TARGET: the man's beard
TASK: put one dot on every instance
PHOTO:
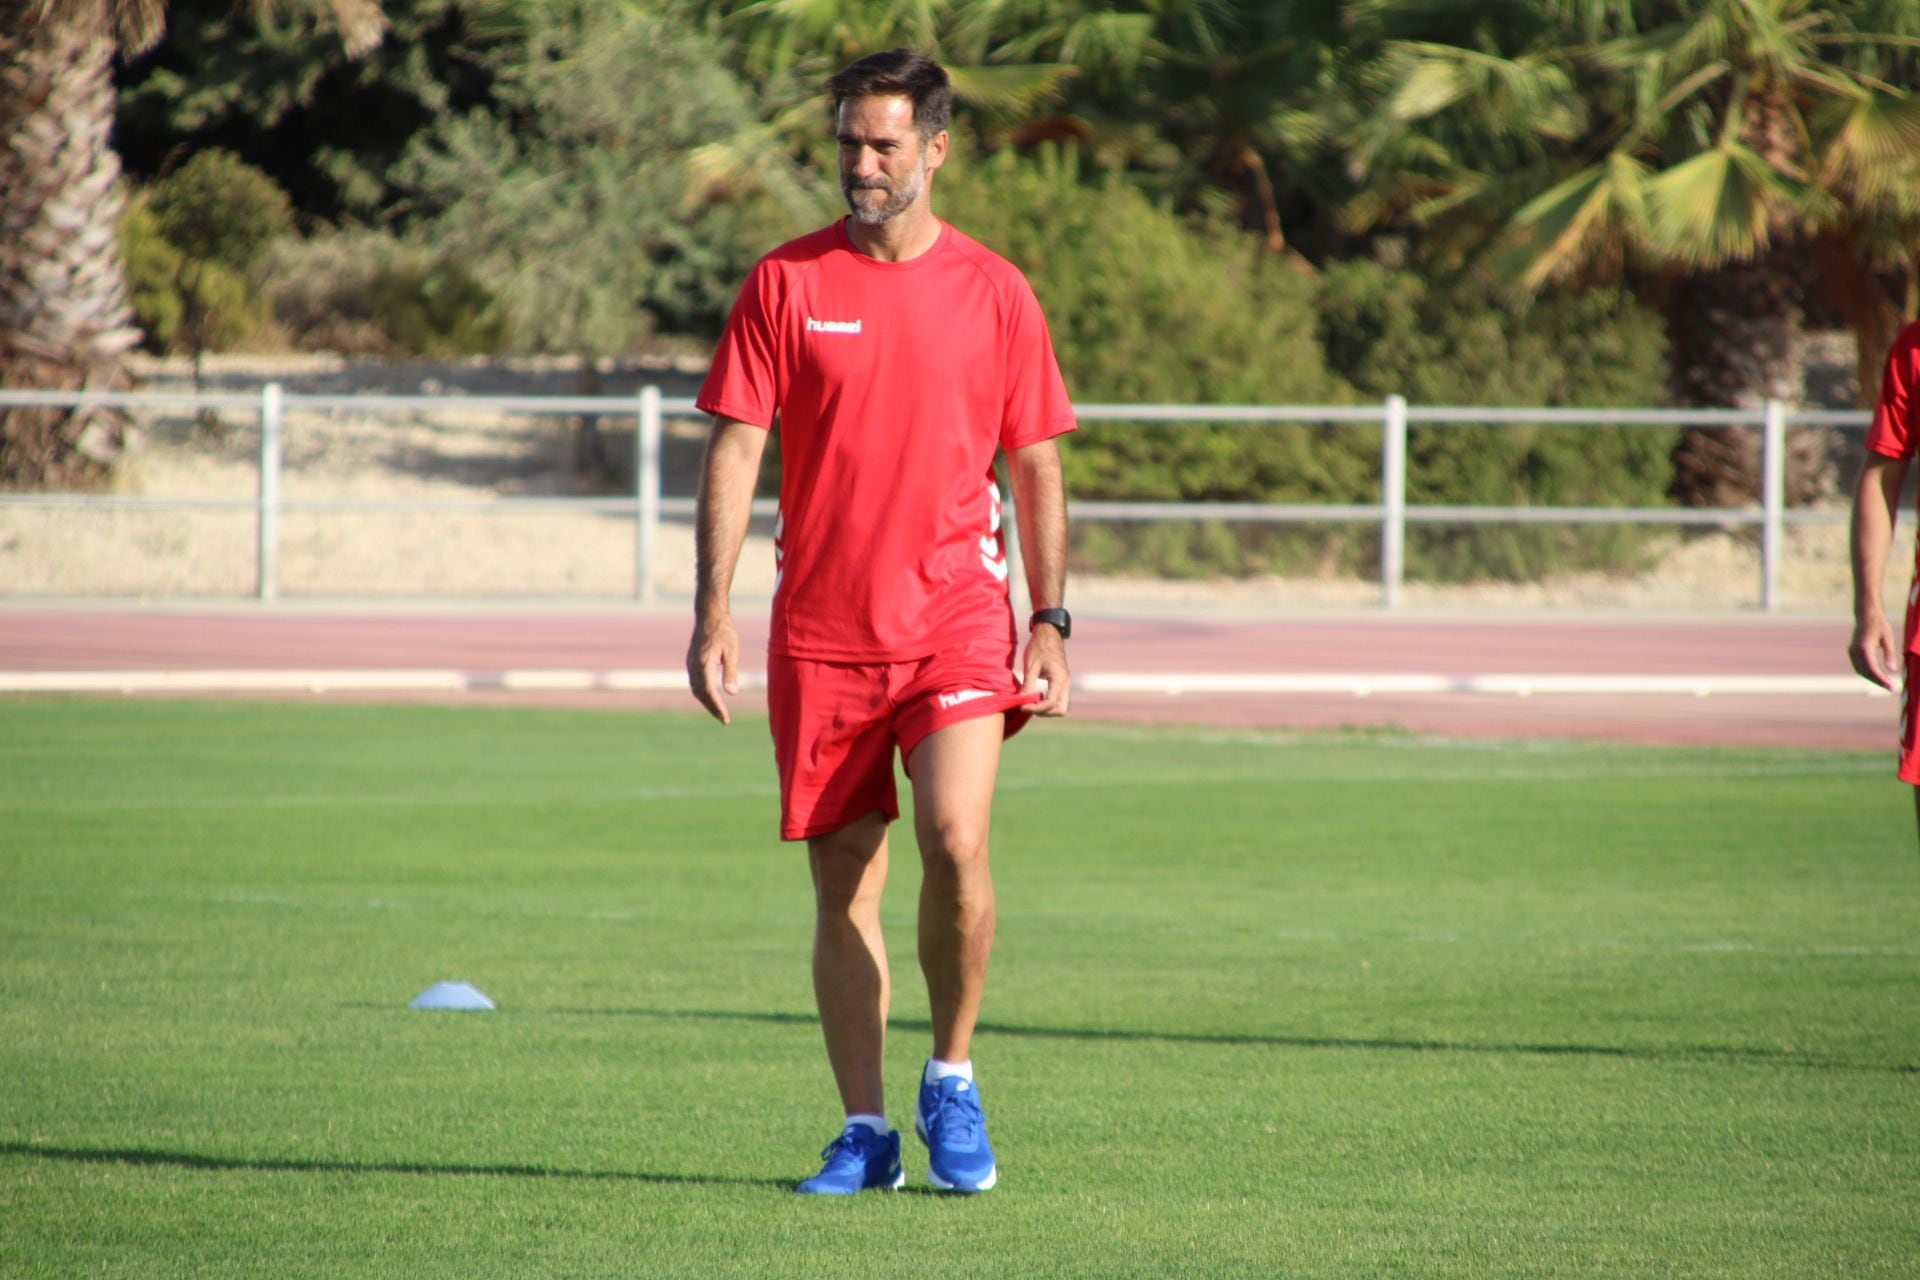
(898, 198)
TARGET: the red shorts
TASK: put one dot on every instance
(1909, 731)
(836, 724)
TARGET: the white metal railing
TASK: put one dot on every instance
(648, 505)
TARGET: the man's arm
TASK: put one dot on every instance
(1875, 649)
(727, 479)
(1040, 506)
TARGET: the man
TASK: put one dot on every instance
(899, 355)
(1891, 442)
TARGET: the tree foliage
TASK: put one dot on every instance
(1440, 343)
(1694, 141)
(1147, 307)
(280, 86)
(215, 219)
(362, 292)
(217, 209)
(572, 176)
(568, 198)
(182, 301)
(64, 309)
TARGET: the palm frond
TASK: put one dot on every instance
(1837, 82)
(783, 32)
(1592, 213)
(1019, 87)
(1298, 129)
(1873, 131)
(1709, 36)
(1432, 84)
(1117, 41)
(1715, 207)
(1431, 205)
(1489, 105)
(1107, 43)
(975, 27)
(1626, 54)
(1865, 38)
(1592, 19)
(1689, 85)
(1871, 152)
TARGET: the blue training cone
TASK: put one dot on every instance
(452, 995)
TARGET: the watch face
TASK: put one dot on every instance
(1059, 618)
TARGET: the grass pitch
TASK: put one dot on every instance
(1333, 1006)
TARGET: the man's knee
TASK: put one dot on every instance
(952, 844)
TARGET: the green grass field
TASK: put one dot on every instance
(1328, 1006)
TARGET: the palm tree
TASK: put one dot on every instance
(783, 50)
(1222, 103)
(64, 319)
(1241, 94)
(1710, 148)
(806, 40)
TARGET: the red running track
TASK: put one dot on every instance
(257, 639)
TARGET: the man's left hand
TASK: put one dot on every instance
(1046, 671)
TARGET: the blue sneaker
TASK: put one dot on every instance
(949, 1120)
(855, 1161)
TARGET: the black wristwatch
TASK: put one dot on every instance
(1059, 619)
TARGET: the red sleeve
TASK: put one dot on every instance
(743, 382)
(1893, 431)
(1037, 404)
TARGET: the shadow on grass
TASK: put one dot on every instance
(192, 1160)
(1678, 1053)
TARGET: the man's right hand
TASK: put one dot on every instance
(713, 664)
(1874, 651)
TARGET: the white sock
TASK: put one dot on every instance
(938, 1070)
(876, 1123)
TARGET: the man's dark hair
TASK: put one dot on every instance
(919, 79)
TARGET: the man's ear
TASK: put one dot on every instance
(936, 151)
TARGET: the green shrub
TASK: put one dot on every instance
(153, 267)
(364, 292)
(191, 241)
(581, 197)
(436, 310)
(1210, 548)
(1392, 332)
(216, 208)
(1147, 307)
(183, 305)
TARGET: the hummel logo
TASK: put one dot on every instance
(832, 326)
(950, 700)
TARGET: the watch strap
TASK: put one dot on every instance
(1059, 619)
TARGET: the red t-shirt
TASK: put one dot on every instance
(1896, 419)
(895, 383)
(1896, 433)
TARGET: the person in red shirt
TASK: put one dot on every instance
(1891, 442)
(898, 357)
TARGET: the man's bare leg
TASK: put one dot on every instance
(850, 982)
(953, 774)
